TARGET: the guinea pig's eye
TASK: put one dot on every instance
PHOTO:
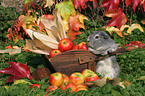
(97, 37)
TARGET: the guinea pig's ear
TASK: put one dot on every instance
(104, 35)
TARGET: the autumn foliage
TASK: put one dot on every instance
(72, 18)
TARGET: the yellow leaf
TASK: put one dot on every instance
(65, 23)
(49, 3)
(82, 17)
(134, 26)
(112, 29)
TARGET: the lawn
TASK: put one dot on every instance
(132, 63)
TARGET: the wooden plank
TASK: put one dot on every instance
(68, 62)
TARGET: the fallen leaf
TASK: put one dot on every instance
(126, 82)
(134, 26)
(9, 47)
(98, 83)
(11, 51)
(116, 81)
(17, 70)
(141, 78)
(134, 45)
(116, 30)
(143, 21)
(22, 81)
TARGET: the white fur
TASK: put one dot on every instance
(105, 68)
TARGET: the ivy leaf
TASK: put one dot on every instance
(17, 70)
(118, 18)
(75, 24)
(72, 34)
(27, 3)
(134, 3)
(142, 3)
(82, 3)
(66, 8)
(110, 4)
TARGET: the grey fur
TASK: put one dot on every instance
(100, 43)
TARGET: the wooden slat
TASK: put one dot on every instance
(68, 62)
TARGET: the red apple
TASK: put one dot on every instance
(70, 85)
(32, 86)
(82, 45)
(56, 79)
(91, 77)
(75, 47)
(77, 78)
(65, 45)
(81, 88)
(81, 85)
(65, 78)
(86, 72)
(54, 53)
(50, 88)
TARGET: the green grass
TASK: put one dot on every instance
(132, 65)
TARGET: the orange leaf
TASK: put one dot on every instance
(50, 17)
(25, 49)
(143, 21)
(118, 18)
(8, 47)
(72, 34)
(75, 24)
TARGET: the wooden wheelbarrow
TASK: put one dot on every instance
(70, 61)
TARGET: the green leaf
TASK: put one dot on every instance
(66, 8)
(22, 81)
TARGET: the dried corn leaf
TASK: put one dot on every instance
(45, 39)
(37, 46)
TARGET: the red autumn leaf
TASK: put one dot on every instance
(8, 47)
(118, 18)
(75, 24)
(82, 3)
(143, 4)
(134, 3)
(134, 45)
(72, 34)
(110, 4)
(28, 3)
(17, 70)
